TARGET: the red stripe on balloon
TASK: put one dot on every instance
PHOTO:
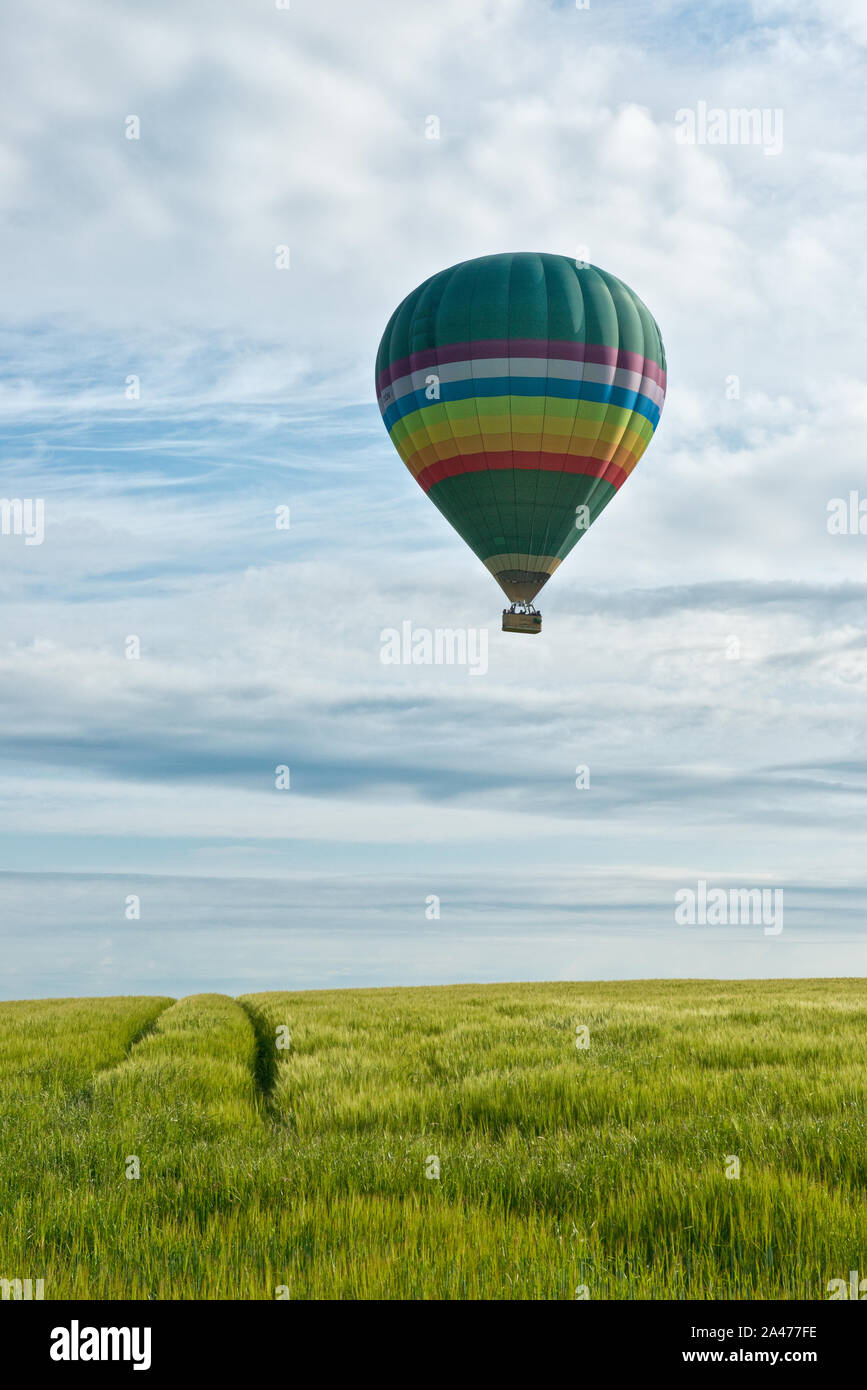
(548, 463)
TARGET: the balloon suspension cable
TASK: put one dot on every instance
(521, 607)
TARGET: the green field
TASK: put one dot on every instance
(597, 1172)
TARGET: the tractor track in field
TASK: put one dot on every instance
(132, 1042)
(146, 1030)
(265, 1065)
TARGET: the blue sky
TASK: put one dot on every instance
(704, 650)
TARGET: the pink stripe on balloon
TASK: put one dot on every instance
(521, 347)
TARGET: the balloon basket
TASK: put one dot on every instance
(526, 621)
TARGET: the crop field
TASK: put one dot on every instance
(664, 1140)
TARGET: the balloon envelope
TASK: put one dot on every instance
(521, 390)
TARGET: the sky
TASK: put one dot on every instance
(169, 387)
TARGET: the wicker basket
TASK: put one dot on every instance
(521, 622)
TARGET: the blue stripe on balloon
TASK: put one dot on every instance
(526, 386)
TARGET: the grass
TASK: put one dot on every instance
(305, 1168)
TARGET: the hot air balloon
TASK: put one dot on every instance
(521, 390)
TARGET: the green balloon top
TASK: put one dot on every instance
(520, 295)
